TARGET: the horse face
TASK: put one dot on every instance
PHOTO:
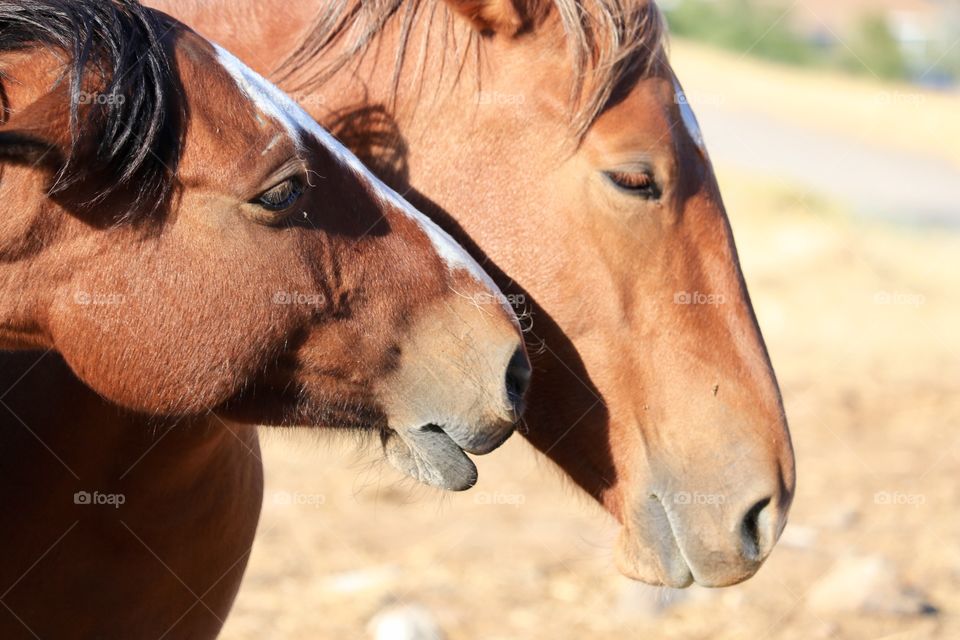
(705, 464)
(655, 391)
(284, 284)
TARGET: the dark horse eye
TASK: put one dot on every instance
(282, 196)
(637, 183)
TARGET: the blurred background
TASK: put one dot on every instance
(834, 127)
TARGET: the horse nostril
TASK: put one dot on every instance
(753, 531)
(518, 380)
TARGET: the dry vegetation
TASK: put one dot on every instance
(895, 115)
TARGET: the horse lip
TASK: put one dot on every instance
(430, 456)
(672, 568)
(677, 544)
(683, 581)
(498, 442)
(436, 455)
(473, 445)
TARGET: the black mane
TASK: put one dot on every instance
(125, 137)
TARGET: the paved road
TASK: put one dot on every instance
(876, 182)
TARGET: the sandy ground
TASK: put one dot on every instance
(861, 321)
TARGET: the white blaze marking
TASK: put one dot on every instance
(689, 119)
(280, 107)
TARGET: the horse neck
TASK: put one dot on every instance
(104, 446)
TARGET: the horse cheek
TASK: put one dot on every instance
(168, 348)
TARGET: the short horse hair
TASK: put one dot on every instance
(123, 135)
(611, 43)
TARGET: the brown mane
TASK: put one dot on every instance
(610, 42)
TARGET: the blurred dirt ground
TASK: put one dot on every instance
(862, 324)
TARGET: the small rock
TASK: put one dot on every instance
(866, 584)
(405, 622)
(841, 517)
(523, 618)
(363, 580)
(731, 598)
(564, 591)
(799, 537)
(637, 600)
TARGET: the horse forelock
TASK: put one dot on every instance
(611, 43)
(124, 101)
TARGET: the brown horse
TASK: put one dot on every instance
(654, 391)
(185, 254)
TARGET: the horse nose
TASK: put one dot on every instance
(518, 381)
(758, 530)
(493, 430)
(728, 545)
(503, 409)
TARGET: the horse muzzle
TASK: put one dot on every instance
(459, 388)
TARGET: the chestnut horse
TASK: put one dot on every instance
(186, 254)
(654, 390)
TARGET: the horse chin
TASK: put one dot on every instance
(661, 564)
(430, 456)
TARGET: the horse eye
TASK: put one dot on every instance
(636, 183)
(282, 196)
